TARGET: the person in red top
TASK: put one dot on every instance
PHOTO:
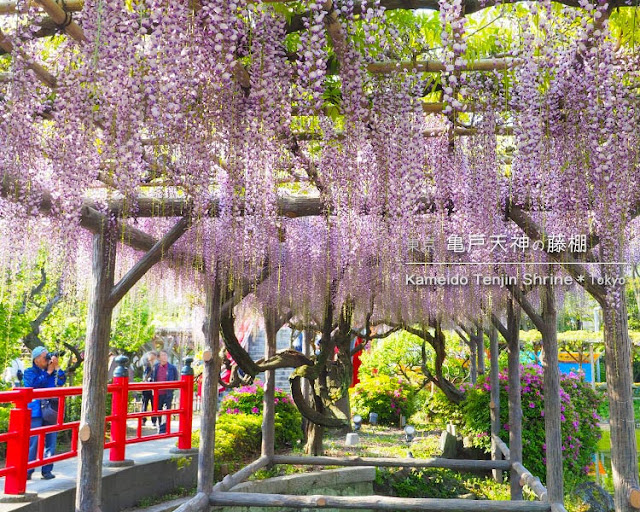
(164, 371)
(225, 374)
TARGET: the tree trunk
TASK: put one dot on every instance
(552, 423)
(210, 377)
(494, 411)
(624, 455)
(515, 403)
(94, 382)
(315, 433)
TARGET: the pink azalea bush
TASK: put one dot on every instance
(247, 401)
(580, 432)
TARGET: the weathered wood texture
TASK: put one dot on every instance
(199, 503)
(546, 323)
(94, 381)
(480, 349)
(624, 454)
(515, 405)
(374, 502)
(502, 446)
(268, 403)
(552, 412)
(459, 464)
(210, 376)
(151, 257)
(533, 482)
(230, 481)
(494, 411)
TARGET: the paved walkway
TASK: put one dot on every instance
(66, 470)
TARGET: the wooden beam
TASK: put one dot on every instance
(10, 7)
(45, 77)
(230, 481)
(199, 503)
(296, 23)
(532, 482)
(94, 376)
(61, 18)
(283, 501)
(501, 446)
(153, 256)
(393, 462)
(437, 66)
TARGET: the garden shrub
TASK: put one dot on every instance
(438, 410)
(580, 433)
(239, 426)
(389, 397)
(248, 400)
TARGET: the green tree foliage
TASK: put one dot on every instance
(133, 324)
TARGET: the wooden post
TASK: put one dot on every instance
(552, 411)
(624, 454)
(307, 340)
(268, 403)
(473, 360)
(94, 381)
(210, 376)
(480, 349)
(515, 405)
(495, 399)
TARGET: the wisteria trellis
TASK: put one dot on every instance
(220, 102)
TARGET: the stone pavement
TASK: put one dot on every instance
(66, 470)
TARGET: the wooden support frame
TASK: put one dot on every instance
(268, 400)
(151, 257)
(230, 481)
(437, 462)
(210, 378)
(242, 499)
(94, 379)
(515, 399)
(103, 299)
(494, 404)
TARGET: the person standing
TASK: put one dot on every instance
(150, 359)
(164, 371)
(44, 373)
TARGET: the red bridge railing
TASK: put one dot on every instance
(20, 431)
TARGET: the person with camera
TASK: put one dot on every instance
(148, 362)
(44, 373)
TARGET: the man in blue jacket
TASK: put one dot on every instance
(164, 371)
(45, 373)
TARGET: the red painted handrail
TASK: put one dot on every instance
(20, 431)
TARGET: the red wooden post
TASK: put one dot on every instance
(186, 404)
(18, 445)
(119, 409)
